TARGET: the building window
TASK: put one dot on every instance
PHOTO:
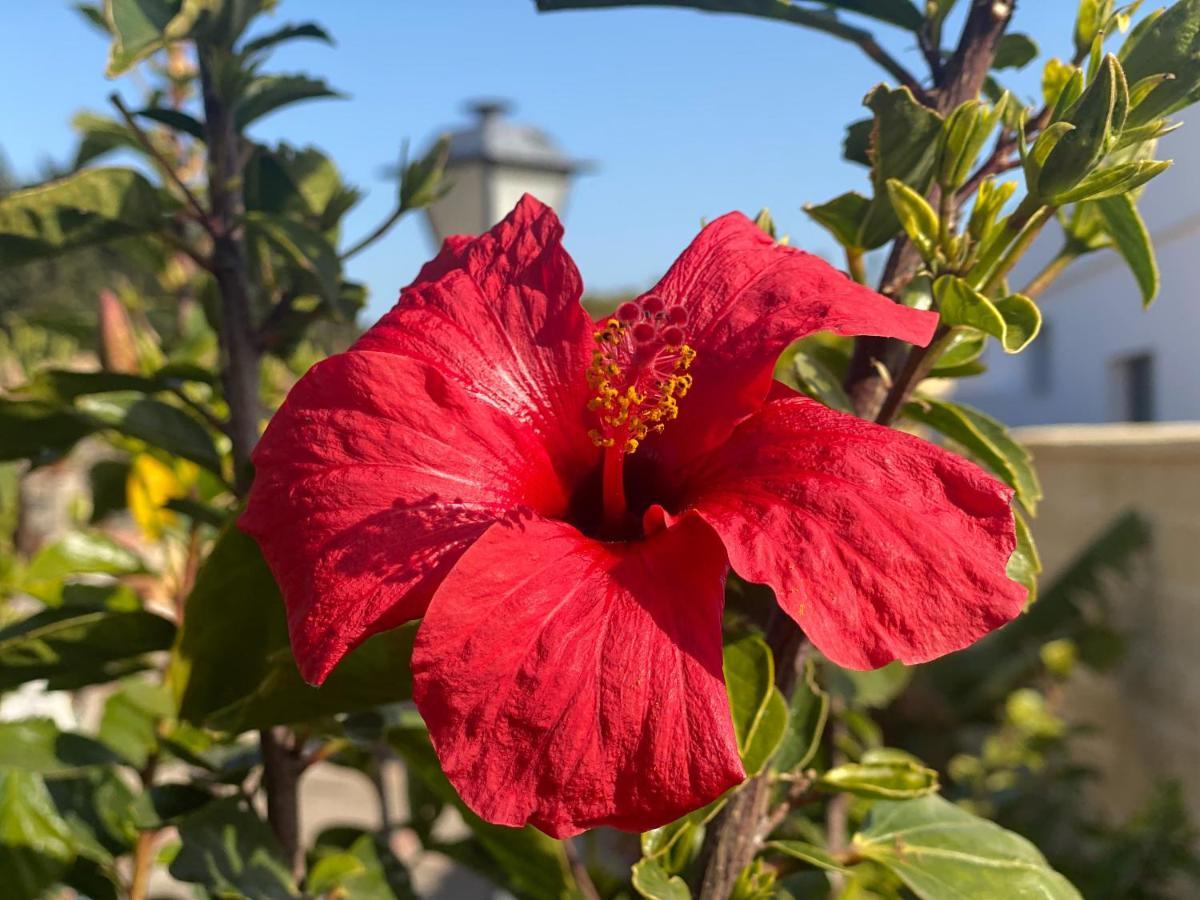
(1040, 369)
(1134, 384)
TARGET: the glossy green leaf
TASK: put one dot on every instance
(269, 93)
(35, 843)
(90, 207)
(1168, 43)
(1131, 239)
(1022, 322)
(964, 347)
(1015, 51)
(77, 553)
(38, 745)
(942, 852)
(651, 881)
(985, 439)
(175, 119)
(40, 432)
(959, 304)
(141, 27)
(366, 870)
(809, 853)
(1024, 565)
(533, 865)
(882, 775)
(904, 146)
(916, 216)
(660, 842)
(1089, 19)
(157, 423)
(129, 723)
(816, 380)
(759, 710)
(1112, 180)
(963, 135)
(895, 12)
(73, 647)
(306, 248)
(228, 849)
(842, 217)
(1098, 117)
(808, 711)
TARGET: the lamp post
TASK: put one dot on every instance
(490, 165)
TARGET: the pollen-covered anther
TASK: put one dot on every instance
(638, 371)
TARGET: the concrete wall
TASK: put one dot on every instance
(1148, 710)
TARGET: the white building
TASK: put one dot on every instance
(1101, 357)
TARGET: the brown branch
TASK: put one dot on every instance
(168, 170)
(583, 880)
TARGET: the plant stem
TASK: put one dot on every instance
(855, 265)
(1050, 272)
(1023, 225)
(240, 375)
(143, 864)
(583, 880)
(375, 235)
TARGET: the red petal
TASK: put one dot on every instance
(747, 298)
(500, 314)
(373, 477)
(569, 683)
(879, 544)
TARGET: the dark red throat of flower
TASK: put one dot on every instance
(638, 375)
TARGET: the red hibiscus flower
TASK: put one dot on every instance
(561, 500)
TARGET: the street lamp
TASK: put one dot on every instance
(490, 165)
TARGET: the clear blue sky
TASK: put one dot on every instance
(687, 115)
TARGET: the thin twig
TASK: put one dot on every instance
(168, 170)
(582, 879)
(375, 235)
(1049, 273)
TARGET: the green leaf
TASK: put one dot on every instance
(100, 135)
(816, 380)
(77, 553)
(882, 775)
(985, 439)
(37, 745)
(421, 181)
(942, 852)
(1132, 240)
(227, 848)
(373, 674)
(964, 347)
(651, 881)
(1113, 180)
(904, 146)
(35, 843)
(1169, 43)
(174, 118)
(963, 135)
(269, 93)
(759, 710)
(157, 423)
(1088, 21)
(809, 853)
(808, 711)
(129, 724)
(842, 217)
(306, 248)
(1022, 322)
(872, 688)
(659, 842)
(235, 621)
(1024, 565)
(310, 30)
(72, 647)
(916, 216)
(533, 865)
(366, 870)
(895, 12)
(90, 207)
(1098, 116)
(39, 432)
(141, 27)
(1015, 51)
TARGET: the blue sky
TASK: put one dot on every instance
(687, 115)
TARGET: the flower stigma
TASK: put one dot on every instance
(638, 375)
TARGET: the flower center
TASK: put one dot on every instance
(638, 376)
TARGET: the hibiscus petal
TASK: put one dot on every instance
(747, 298)
(373, 477)
(880, 545)
(569, 683)
(500, 314)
